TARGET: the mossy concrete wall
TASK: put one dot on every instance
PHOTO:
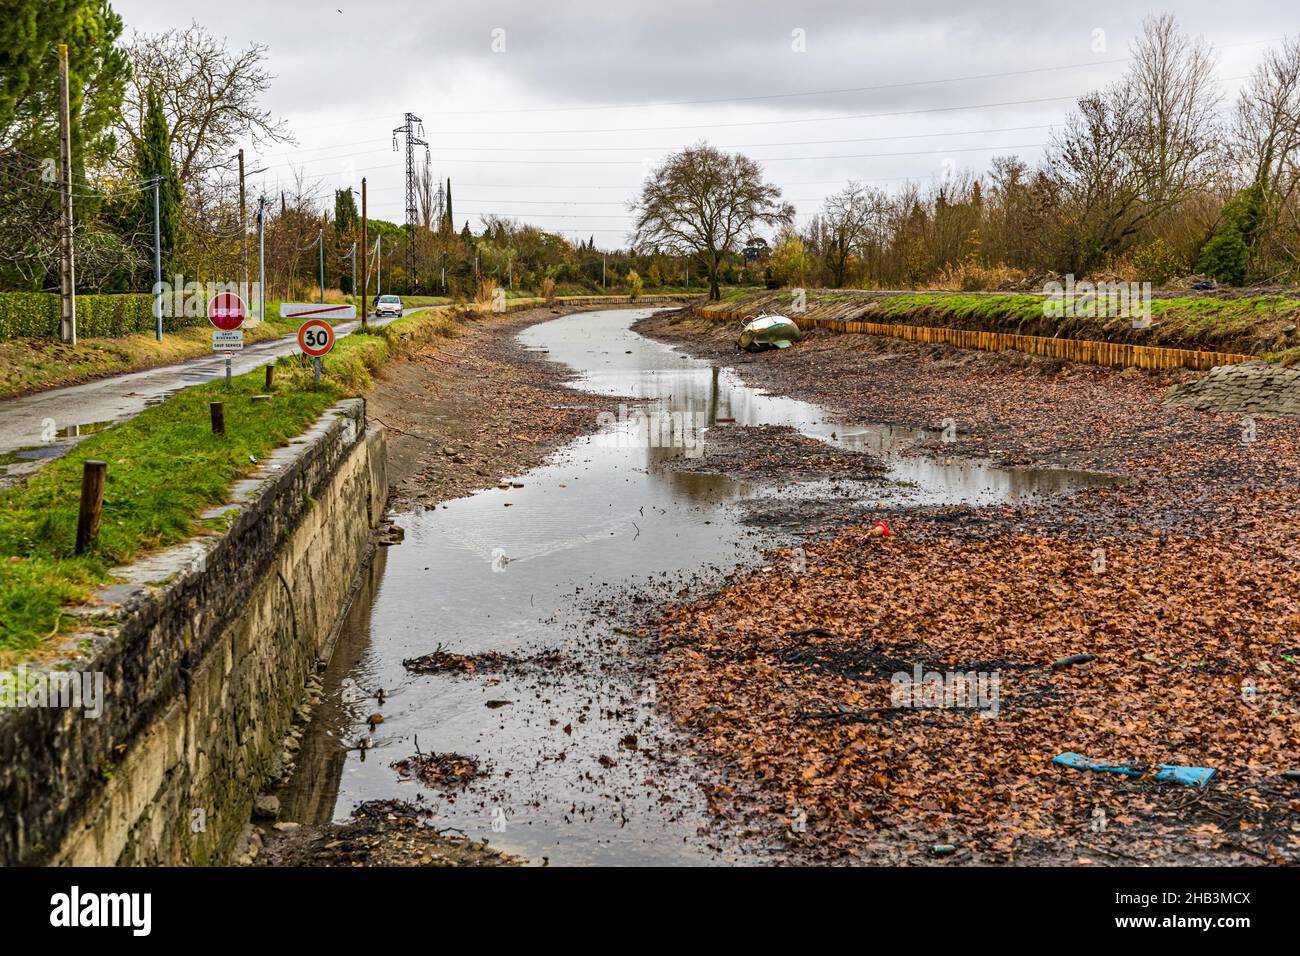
(205, 650)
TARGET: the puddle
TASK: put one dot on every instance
(562, 781)
(82, 430)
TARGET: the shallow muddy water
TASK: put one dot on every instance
(579, 765)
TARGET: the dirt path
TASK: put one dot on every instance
(1182, 584)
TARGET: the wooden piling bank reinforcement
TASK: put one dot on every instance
(1115, 354)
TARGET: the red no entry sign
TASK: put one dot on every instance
(316, 337)
(226, 311)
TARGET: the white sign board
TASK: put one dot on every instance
(228, 341)
(315, 310)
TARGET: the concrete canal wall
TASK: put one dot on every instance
(204, 653)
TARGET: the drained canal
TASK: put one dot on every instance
(577, 763)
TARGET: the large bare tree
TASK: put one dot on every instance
(702, 202)
(846, 223)
(1264, 148)
(1137, 150)
(211, 96)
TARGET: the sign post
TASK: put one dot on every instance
(227, 313)
(316, 338)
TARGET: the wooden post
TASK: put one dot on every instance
(365, 259)
(218, 412)
(67, 267)
(92, 503)
(270, 377)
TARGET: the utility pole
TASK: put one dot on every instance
(321, 241)
(602, 272)
(413, 139)
(67, 268)
(157, 260)
(365, 263)
(379, 266)
(243, 231)
(261, 258)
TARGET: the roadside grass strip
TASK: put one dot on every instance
(165, 468)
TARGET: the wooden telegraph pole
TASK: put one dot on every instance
(67, 268)
(365, 256)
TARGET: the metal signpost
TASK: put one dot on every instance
(227, 312)
(316, 338)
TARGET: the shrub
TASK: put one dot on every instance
(1158, 262)
(634, 285)
(548, 290)
(37, 314)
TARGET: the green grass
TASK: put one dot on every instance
(165, 467)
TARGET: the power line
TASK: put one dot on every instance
(790, 95)
(575, 149)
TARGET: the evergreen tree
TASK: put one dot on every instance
(345, 213)
(1226, 256)
(346, 221)
(154, 159)
(451, 227)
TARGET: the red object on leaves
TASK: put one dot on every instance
(884, 529)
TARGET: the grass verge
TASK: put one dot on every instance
(145, 506)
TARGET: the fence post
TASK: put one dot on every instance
(93, 473)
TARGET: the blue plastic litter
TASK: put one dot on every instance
(1191, 776)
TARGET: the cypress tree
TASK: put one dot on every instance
(154, 159)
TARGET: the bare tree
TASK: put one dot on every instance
(1172, 92)
(702, 201)
(846, 223)
(1264, 147)
(210, 94)
(1138, 149)
(429, 195)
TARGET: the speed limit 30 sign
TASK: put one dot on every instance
(316, 337)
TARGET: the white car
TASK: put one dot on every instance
(388, 305)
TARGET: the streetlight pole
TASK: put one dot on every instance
(353, 256)
(321, 240)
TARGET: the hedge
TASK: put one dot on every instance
(36, 315)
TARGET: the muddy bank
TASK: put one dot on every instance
(379, 833)
(1180, 582)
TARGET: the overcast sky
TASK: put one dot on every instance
(552, 111)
